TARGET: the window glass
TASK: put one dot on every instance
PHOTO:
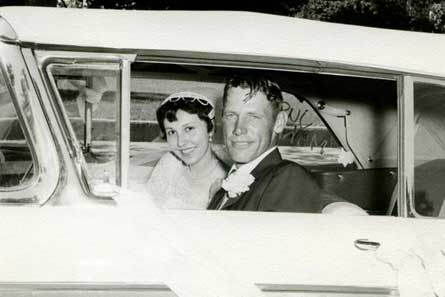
(16, 162)
(361, 113)
(342, 129)
(306, 139)
(429, 148)
(89, 96)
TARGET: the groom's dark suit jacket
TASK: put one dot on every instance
(279, 185)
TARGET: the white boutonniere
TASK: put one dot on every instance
(237, 183)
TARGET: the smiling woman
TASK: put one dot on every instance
(183, 176)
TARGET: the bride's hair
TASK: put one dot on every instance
(191, 103)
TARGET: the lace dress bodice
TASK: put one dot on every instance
(172, 186)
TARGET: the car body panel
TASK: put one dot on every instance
(126, 246)
(113, 248)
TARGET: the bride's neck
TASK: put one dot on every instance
(203, 165)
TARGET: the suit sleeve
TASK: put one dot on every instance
(291, 188)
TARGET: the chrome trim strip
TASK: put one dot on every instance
(59, 286)
(124, 125)
(272, 63)
(88, 57)
(326, 289)
(221, 59)
(405, 144)
(36, 80)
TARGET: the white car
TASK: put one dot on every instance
(78, 139)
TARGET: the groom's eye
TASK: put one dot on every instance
(170, 132)
(229, 115)
(188, 129)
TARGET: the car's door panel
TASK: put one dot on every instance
(126, 245)
(371, 189)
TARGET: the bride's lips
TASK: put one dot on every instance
(187, 150)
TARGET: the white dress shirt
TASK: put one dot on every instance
(246, 168)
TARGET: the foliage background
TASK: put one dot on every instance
(414, 15)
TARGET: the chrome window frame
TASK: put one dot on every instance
(26, 100)
(405, 178)
(123, 62)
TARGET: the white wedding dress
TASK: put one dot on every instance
(172, 186)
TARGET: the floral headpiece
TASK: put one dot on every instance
(191, 96)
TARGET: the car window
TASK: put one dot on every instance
(361, 113)
(429, 148)
(306, 139)
(89, 95)
(16, 161)
(342, 129)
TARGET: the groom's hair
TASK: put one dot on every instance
(255, 82)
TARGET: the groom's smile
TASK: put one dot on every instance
(240, 144)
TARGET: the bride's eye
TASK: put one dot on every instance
(170, 132)
(189, 128)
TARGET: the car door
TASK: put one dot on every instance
(310, 253)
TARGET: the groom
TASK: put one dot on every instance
(260, 180)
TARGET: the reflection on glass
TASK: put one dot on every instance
(90, 95)
(429, 148)
(16, 164)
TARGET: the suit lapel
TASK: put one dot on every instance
(231, 201)
(216, 200)
(270, 161)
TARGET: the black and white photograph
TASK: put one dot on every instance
(171, 148)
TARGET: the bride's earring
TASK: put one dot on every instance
(210, 137)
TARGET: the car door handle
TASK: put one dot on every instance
(366, 245)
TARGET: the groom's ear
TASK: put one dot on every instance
(280, 122)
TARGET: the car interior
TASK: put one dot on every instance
(325, 113)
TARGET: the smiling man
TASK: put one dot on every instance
(260, 180)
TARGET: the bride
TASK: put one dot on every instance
(182, 177)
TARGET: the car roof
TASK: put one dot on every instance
(224, 32)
